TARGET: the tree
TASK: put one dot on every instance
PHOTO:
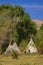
(39, 39)
(41, 27)
(18, 11)
(25, 28)
(6, 43)
(17, 21)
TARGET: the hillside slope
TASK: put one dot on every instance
(38, 22)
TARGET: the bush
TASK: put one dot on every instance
(0, 50)
(14, 54)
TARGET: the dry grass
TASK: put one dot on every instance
(22, 60)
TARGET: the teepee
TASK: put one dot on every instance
(13, 46)
(31, 48)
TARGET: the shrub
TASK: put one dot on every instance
(14, 54)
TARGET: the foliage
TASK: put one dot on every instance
(18, 11)
(14, 54)
(39, 40)
(5, 44)
(25, 28)
(17, 22)
(23, 44)
(41, 27)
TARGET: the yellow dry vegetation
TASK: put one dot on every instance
(22, 60)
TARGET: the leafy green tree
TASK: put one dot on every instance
(39, 39)
(41, 27)
(6, 43)
(13, 10)
(18, 11)
(25, 28)
(15, 20)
